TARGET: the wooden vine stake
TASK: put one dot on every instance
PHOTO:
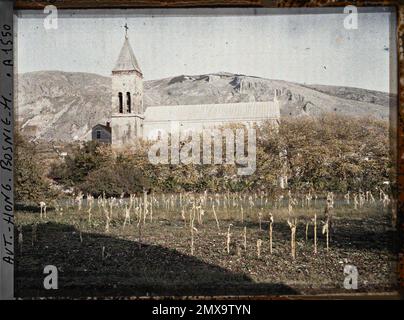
(259, 243)
(315, 233)
(127, 215)
(307, 230)
(89, 214)
(260, 219)
(217, 220)
(271, 221)
(326, 230)
(191, 224)
(245, 238)
(184, 217)
(292, 226)
(228, 239)
(139, 228)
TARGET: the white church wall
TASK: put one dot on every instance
(152, 129)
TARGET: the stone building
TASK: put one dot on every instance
(101, 133)
(130, 121)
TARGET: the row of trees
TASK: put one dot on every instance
(336, 153)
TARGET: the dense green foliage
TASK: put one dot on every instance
(335, 153)
(30, 183)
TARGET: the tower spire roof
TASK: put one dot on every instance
(127, 60)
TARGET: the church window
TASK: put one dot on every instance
(128, 103)
(120, 102)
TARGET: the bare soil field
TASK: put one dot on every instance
(156, 257)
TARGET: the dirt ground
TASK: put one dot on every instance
(92, 262)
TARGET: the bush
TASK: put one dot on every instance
(30, 183)
(113, 181)
(335, 153)
(82, 160)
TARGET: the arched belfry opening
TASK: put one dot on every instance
(128, 103)
(127, 81)
(120, 97)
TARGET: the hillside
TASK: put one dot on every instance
(54, 105)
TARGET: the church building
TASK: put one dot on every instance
(130, 120)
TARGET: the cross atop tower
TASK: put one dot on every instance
(126, 30)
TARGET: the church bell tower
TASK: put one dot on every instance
(127, 97)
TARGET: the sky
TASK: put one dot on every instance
(309, 46)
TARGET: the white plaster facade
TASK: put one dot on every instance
(198, 117)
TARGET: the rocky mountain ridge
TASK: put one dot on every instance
(64, 106)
